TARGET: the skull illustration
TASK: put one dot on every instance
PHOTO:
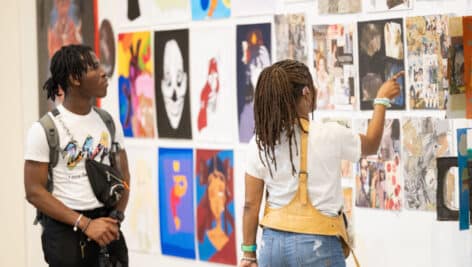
(174, 83)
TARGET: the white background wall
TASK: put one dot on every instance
(384, 238)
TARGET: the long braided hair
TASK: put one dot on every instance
(72, 60)
(278, 89)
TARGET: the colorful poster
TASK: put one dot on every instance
(456, 57)
(141, 224)
(253, 54)
(172, 84)
(213, 85)
(387, 5)
(291, 37)
(244, 8)
(60, 23)
(334, 66)
(210, 9)
(424, 139)
(378, 176)
(215, 206)
(176, 212)
(381, 56)
(135, 85)
(339, 6)
(467, 28)
(428, 45)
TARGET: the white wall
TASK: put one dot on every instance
(384, 238)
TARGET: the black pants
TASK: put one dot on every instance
(61, 245)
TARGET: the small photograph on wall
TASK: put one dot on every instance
(176, 208)
(210, 9)
(290, 37)
(60, 23)
(389, 5)
(334, 66)
(346, 166)
(455, 66)
(381, 56)
(427, 45)
(213, 84)
(141, 224)
(172, 84)
(339, 6)
(216, 234)
(424, 140)
(135, 85)
(107, 47)
(253, 54)
(378, 176)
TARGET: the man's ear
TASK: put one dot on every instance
(74, 81)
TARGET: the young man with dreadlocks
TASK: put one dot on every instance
(76, 225)
(299, 164)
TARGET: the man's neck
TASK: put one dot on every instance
(77, 105)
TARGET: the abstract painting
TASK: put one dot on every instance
(456, 57)
(290, 37)
(210, 9)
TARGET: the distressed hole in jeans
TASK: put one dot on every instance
(316, 246)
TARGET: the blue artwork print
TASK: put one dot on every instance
(176, 202)
(125, 105)
(210, 9)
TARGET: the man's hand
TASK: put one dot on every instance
(103, 230)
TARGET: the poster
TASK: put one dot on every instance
(213, 85)
(388, 5)
(456, 57)
(216, 234)
(381, 55)
(334, 66)
(424, 139)
(378, 176)
(290, 37)
(135, 85)
(60, 23)
(428, 49)
(467, 31)
(172, 84)
(253, 54)
(339, 6)
(210, 9)
(141, 224)
(176, 206)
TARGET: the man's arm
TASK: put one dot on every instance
(102, 230)
(121, 206)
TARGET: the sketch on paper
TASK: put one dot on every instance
(176, 212)
(253, 54)
(291, 37)
(135, 84)
(381, 55)
(427, 45)
(215, 206)
(424, 139)
(141, 224)
(213, 86)
(386, 5)
(339, 6)
(378, 177)
(172, 84)
(210, 9)
(334, 66)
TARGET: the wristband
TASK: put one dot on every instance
(249, 248)
(382, 101)
(87, 225)
(77, 222)
(249, 259)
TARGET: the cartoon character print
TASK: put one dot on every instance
(73, 154)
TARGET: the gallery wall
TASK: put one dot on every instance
(402, 234)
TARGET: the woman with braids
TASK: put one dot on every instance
(75, 223)
(298, 163)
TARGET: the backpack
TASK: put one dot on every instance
(52, 137)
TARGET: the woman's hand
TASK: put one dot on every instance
(390, 89)
(247, 263)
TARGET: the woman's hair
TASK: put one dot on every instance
(277, 92)
(69, 61)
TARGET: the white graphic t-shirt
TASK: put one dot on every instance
(91, 139)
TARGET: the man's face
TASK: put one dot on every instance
(174, 83)
(94, 82)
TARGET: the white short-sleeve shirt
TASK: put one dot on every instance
(70, 181)
(328, 144)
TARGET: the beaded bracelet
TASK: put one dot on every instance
(249, 259)
(382, 101)
(77, 222)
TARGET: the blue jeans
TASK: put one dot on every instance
(285, 249)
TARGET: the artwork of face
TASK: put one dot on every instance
(174, 83)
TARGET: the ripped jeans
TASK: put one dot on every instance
(285, 249)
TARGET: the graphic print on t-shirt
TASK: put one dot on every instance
(73, 154)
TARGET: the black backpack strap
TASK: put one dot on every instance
(108, 120)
